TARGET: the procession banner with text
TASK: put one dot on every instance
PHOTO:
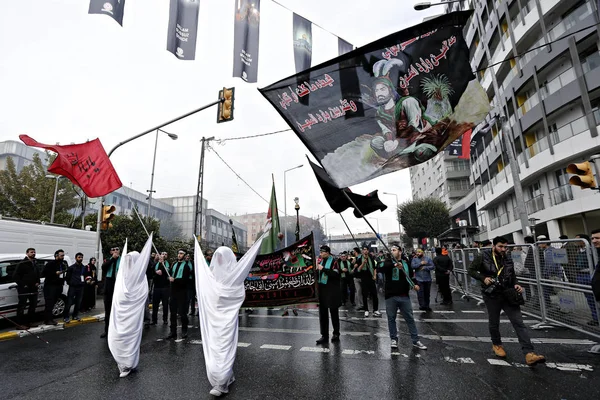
(183, 28)
(246, 33)
(344, 47)
(112, 8)
(386, 106)
(284, 277)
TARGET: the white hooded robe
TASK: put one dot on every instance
(220, 289)
(129, 301)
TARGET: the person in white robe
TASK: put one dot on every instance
(220, 291)
(127, 317)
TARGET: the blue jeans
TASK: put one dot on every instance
(391, 307)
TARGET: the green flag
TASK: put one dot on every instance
(269, 244)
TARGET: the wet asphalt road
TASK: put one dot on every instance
(278, 359)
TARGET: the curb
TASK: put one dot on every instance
(4, 336)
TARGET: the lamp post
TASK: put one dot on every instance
(324, 216)
(285, 201)
(297, 208)
(425, 5)
(151, 191)
(397, 214)
(57, 177)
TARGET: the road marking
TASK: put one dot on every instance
(473, 312)
(465, 321)
(275, 347)
(395, 353)
(178, 340)
(195, 342)
(315, 349)
(493, 361)
(348, 351)
(570, 367)
(300, 331)
(242, 344)
(459, 360)
(421, 320)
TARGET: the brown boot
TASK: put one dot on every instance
(499, 351)
(532, 359)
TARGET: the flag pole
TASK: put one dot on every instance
(410, 282)
(351, 234)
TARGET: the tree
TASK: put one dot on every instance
(169, 230)
(29, 194)
(424, 218)
(406, 241)
(125, 227)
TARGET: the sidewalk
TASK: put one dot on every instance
(95, 315)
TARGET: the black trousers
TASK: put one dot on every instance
(178, 305)
(27, 294)
(51, 295)
(443, 282)
(324, 320)
(494, 306)
(348, 284)
(191, 299)
(109, 289)
(368, 288)
(74, 297)
(160, 295)
(89, 297)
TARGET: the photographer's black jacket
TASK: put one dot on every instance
(484, 267)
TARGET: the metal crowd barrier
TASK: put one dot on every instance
(555, 276)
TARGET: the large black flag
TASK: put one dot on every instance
(411, 95)
(344, 47)
(112, 8)
(339, 202)
(302, 43)
(245, 44)
(183, 28)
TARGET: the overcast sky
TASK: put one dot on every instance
(66, 76)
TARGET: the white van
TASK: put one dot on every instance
(8, 288)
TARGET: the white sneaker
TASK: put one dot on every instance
(377, 313)
(394, 344)
(215, 392)
(420, 345)
(366, 314)
(124, 373)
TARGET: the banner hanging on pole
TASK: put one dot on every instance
(112, 8)
(302, 43)
(183, 28)
(344, 47)
(245, 44)
(411, 94)
(284, 277)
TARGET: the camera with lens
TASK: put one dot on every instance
(492, 287)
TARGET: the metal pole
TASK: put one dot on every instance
(197, 228)
(514, 169)
(285, 209)
(152, 176)
(221, 100)
(297, 223)
(54, 201)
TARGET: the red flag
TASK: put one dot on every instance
(86, 165)
(466, 145)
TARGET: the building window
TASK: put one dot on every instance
(129, 205)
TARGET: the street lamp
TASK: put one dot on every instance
(397, 214)
(173, 137)
(324, 216)
(425, 5)
(297, 208)
(57, 177)
(285, 201)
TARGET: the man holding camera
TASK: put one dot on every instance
(501, 291)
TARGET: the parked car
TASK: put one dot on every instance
(8, 288)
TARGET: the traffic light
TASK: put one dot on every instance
(225, 110)
(584, 175)
(107, 216)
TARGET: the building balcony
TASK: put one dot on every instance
(561, 194)
(536, 204)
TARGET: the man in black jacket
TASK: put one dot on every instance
(161, 290)
(75, 280)
(443, 268)
(180, 279)
(364, 267)
(497, 275)
(53, 284)
(329, 295)
(110, 268)
(27, 278)
(398, 283)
